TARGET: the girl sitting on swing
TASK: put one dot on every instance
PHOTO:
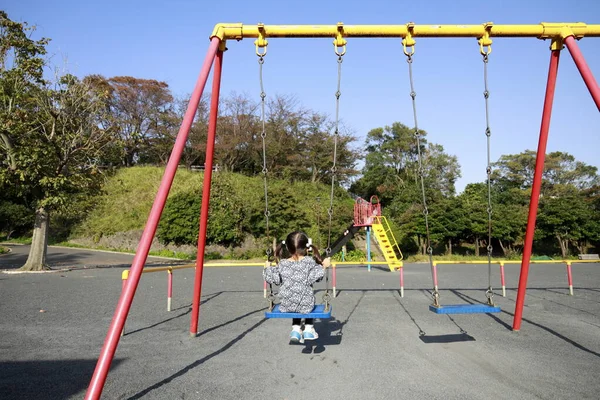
(296, 275)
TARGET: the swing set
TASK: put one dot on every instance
(560, 35)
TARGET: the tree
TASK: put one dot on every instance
(567, 217)
(473, 200)
(236, 144)
(391, 162)
(21, 72)
(141, 112)
(517, 170)
(51, 155)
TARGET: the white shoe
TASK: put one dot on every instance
(310, 334)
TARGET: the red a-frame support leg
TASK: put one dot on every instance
(114, 332)
(592, 86)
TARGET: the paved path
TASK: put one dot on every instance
(68, 257)
(377, 345)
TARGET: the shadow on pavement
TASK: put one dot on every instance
(325, 328)
(197, 363)
(48, 379)
(463, 336)
(553, 332)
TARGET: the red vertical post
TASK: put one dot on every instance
(583, 68)
(169, 288)
(114, 332)
(570, 278)
(537, 183)
(264, 289)
(206, 184)
(502, 281)
(435, 281)
(402, 282)
(334, 280)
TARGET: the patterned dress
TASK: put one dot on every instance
(296, 279)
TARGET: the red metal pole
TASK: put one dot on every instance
(570, 278)
(536, 187)
(334, 280)
(583, 68)
(169, 289)
(112, 338)
(502, 281)
(402, 282)
(264, 289)
(210, 147)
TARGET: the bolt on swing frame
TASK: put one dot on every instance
(559, 33)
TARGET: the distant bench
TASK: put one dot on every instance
(589, 257)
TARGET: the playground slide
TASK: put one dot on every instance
(343, 239)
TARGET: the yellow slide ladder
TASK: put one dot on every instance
(387, 242)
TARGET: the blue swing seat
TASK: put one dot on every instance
(317, 312)
(464, 309)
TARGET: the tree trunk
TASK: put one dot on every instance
(563, 246)
(8, 144)
(476, 246)
(502, 247)
(39, 244)
(449, 247)
(581, 246)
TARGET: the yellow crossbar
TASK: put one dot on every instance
(518, 262)
(543, 30)
(125, 274)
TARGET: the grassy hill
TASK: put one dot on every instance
(117, 218)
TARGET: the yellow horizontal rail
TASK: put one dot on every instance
(543, 30)
(364, 263)
(125, 273)
(519, 262)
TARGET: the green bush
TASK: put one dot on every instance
(354, 256)
(15, 219)
(180, 222)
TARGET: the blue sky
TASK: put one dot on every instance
(167, 40)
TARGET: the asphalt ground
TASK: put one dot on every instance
(377, 345)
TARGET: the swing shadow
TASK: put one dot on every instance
(189, 309)
(561, 304)
(463, 336)
(326, 335)
(199, 362)
(552, 332)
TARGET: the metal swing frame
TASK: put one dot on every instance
(560, 34)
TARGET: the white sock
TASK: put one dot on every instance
(308, 327)
(296, 328)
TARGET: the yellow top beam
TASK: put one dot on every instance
(544, 30)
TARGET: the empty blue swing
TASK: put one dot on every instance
(490, 307)
(464, 309)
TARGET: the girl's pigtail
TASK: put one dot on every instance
(279, 252)
(316, 254)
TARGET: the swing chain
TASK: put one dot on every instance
(326, 299)
(436, 298)
(488, 170)
(490, 296)
(338, 94)
(421, 171)
(271, 299)
(263, 136)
